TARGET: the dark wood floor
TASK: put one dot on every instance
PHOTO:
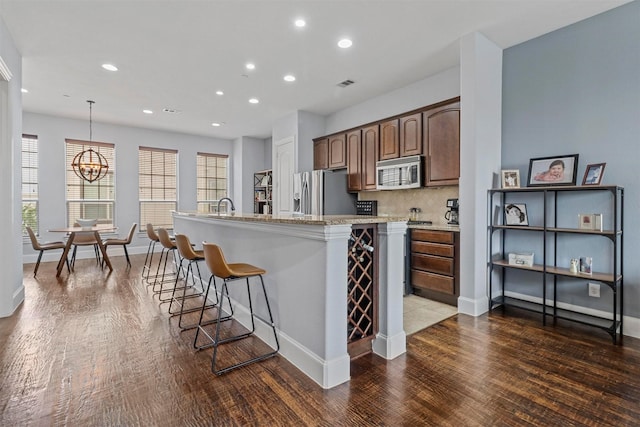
(96, 349)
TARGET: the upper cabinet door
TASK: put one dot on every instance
(411, 135)
(321, 153)
(370, 144)
(337, 151)
(354, 161)
(389, 140)
(442, 145)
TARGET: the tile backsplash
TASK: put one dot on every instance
(431, 201)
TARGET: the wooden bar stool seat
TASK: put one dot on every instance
(219, 267)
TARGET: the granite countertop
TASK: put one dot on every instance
(292, 219)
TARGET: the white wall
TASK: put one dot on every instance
(436, 88)
(52, 131)
(11, 288)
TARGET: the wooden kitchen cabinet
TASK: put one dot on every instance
(435, 265)
(411, 135)
(337, 151)
(389, 140)
(441, 145)
(321, 153)
(362, 155)
(330, 152)
(354, 160)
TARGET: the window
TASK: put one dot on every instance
(29, 183)
(212, 185)
(90, 199)
(158, 186)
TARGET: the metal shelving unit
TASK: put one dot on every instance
(549, 269)
(262, 192)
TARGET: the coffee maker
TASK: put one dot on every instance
(452, 214)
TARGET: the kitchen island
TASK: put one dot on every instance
(306, 262)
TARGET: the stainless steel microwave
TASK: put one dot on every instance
(397, 174)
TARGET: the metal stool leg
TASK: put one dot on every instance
(217, 341)
(201, 324)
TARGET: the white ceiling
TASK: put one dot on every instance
(176, 54)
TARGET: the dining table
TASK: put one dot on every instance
(73, 231)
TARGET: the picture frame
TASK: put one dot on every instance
(590, 222)
(516, 214)
(552, 171)
(510, 178)
(593, 174)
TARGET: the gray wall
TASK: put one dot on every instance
(577, 90)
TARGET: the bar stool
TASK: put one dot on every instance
(187, 253)
(230, 272)
(168, 247)
(153, 239)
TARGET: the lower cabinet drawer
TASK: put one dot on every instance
(432, 248)
(432, 263)
(435, 282)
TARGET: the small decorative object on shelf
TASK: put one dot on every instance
(573, 265)
(521, 258)
(586, 264)
(593, 174)
(550, 171)
(516, 214)
(510, 178)
(590, 222)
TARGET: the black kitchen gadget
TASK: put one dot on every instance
(367, 207)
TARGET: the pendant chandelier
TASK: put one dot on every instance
(89, 164)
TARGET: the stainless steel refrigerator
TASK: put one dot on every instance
(322, 192)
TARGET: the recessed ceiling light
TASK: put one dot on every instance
(219, 92)
(23, 90)
(300, 23)
(289, 78)
(216, 124)
(345, 43)
(254, 100)
(250, 66)
(147, 111)
(109, 67)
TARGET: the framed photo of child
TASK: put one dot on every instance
(551, 171)
(516, 214)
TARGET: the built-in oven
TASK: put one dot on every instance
(396, 174)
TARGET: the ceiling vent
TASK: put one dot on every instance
(171, 111)
(346, 83)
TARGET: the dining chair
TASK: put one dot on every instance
(117, 241)
(45, 246)
(85, 239)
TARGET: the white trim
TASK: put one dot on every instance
(631, 324)
(5, 72)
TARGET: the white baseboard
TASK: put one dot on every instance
(631, 325)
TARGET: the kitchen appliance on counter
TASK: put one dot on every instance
(322, 192)
(397, 174)
(452, 214)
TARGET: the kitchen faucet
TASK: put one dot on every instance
(233, 208)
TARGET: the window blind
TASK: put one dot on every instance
(29, 183)
(90, 199)
(157, 186)
(212, 181)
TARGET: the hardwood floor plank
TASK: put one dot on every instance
(92, 348)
